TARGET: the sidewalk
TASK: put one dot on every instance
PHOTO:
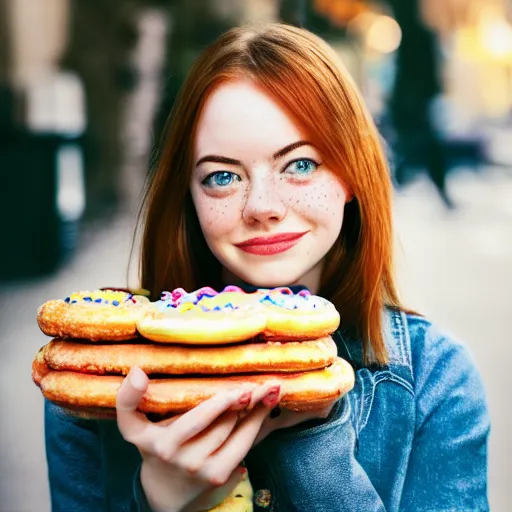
(456, 267)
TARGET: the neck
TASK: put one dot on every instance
(311, 280)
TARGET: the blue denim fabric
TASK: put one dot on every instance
(409, 437)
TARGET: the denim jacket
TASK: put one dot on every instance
(411, 436)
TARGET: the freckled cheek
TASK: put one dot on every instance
(321, 202)
(218, 216)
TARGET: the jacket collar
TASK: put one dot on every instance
(249, 288)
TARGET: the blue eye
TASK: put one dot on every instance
(220, 179)
(302, 167)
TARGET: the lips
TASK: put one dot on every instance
(268, 245)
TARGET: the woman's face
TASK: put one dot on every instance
(268, 206)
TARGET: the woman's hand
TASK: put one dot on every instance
(285, 419)
(192, 462)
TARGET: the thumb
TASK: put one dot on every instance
(132, 390)
(131, 422)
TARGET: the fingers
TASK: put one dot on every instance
(193, 454)
(268, 393)
(132, 424)
(219, 466)
(201, 417)
(209, 441)
(168, 444)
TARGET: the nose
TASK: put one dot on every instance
(264, 204)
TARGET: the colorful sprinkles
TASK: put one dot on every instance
(208, 299)
(114, 298)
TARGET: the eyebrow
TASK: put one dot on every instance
(290, 147)
(218, 159)
(231, 161)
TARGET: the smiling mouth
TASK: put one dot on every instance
(266, 246)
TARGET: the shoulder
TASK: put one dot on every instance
(434, 347)
(444, 370)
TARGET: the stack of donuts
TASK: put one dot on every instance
(191, 345)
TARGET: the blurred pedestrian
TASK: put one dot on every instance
(417, 83)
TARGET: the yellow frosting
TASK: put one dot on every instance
(104, 295)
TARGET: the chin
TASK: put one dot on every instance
(265, 279)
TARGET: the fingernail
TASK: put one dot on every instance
(242, 470)
(138, 378)
(275, 412)
(245, 399)
(272, 397)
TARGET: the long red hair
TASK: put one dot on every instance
(304, 75)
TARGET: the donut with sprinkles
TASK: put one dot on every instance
(300, 315)
(99, 315)
(206, 316)
(203, 317)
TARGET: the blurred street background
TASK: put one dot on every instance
(85, 87)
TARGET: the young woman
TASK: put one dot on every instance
(272, 174)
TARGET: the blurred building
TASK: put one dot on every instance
(37, 33)
(42, 119)
(40, 38)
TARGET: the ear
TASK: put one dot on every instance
(349, 194)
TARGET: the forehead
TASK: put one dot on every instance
(240, 116)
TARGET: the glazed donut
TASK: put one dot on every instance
(203, 317)
(298, 316)
(207, 316)
(168, 396)
(105, 315)
(180, 360)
